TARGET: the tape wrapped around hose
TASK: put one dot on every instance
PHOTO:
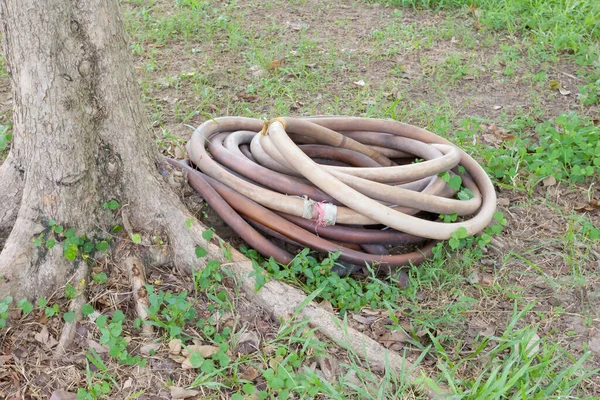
(336, 184)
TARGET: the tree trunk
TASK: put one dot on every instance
(81, 138)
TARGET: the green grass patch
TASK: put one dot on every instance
(564, 24)
(567, 148)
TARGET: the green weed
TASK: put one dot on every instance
(518, 364)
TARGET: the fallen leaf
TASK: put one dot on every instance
(297, 26)
(97, 346)
(179, 153)
(46, 338)
(503, 201)
(359, 83)
(249, 373)
(488, 331)
(275, 64)
(128, 383)
(259, 73)
(532, 346)
(329, 368)
(594, 344)
(364, 319)
(175, 346)
(205, 351)
(486, 280)
(187, 364)
(177, 359)
(326, 305)
(151, 347)
(248, 343)
(564, 92)
(62, 395)
(248, 97)
(549, 181)
(474, 278)
(274, 362)
(553, 84)
(390, 338)
(181, 393)
(171, 100)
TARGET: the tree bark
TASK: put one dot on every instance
(81, 138)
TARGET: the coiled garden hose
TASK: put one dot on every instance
(336, 184)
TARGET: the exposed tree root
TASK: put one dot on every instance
(136, 271)
(282, 300)
(11, 182)
(34, 271)
(67, 335)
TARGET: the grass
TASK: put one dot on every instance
(563, 24)
(506, 319)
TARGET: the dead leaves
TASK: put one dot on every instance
(590, 206)
(482, 328)
(45, 338)
(248, 343)
(62, 395)
(205, 351)
(183, 354)
(394, 340)
(494, 135)
(181, 393)
(250, 98)
(594, 343)
(549, 181)
(554, 84)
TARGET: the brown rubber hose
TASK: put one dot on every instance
(262, 169)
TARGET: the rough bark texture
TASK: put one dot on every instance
(11, 178)
(80, 136)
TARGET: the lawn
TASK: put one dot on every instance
(516, 83)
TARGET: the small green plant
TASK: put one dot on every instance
(4, 304)
(110, 336)
(136, 238)
(169, 311)
(111, 205)
(73, 246)
(344, 293)
(518, 364)
(566, 148)
(100, 278)
(99, 383)
(25, 306)
(5, 136)
(49, 310)
(589, 94)
(455, 182)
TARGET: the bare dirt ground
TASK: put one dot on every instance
(271, 58)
